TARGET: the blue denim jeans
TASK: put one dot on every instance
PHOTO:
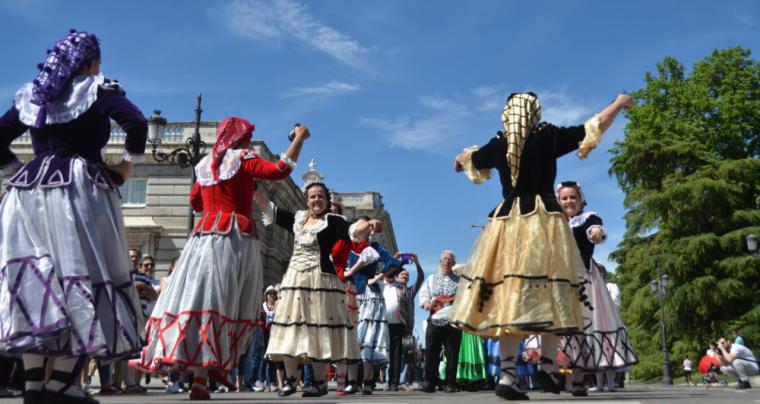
(254, 360)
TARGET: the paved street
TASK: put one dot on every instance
(634, 394)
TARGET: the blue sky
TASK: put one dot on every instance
(391, 90)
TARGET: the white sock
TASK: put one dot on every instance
(31, 362)
(508, 346)
(65, 365)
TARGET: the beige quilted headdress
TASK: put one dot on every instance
(521, 114)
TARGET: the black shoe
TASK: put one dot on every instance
(428, 387)
(548, 383)
(32, 396)
(315, 390)
(579, 390)
(450, 388)
(393, 387)
(743, 385)
(368, 388)
(49, 396)
(509, 393)
(287, 388)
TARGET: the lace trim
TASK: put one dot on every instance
(592, 138)
(475, 175)
(133, 158)
(304, 235)
(73, 102)
(229, 167)
(579, 220)
(286, 159)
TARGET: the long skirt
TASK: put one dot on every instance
(66, 284)
(604, 343)
(473, 363)
(524, 276)
(205, 315)
(312, 322)
(374, 337)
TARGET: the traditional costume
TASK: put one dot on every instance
(472, 367)
(66, 278)
(524, 274)
(206, 313)
(604, 345)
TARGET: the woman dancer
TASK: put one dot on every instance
(604, 346)
(66, 275)
(525, 273)
(312, 323)
(204, 318)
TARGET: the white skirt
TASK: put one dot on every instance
(604, 343)
(205, 315)
(66, 286)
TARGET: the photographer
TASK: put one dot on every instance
(736, 360)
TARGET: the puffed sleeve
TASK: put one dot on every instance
(114, 104)
(196, 198)
(258, 167)
(478, 162)
(10, 129)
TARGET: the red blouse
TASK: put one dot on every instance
(230, 199)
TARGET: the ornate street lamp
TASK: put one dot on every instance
(658, 288)
(752, 245)
(184, 156)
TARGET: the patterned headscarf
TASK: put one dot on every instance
(521, 114)
(70, 54)
(231, 133)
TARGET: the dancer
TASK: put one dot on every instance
(312, 322)
(604, 346)
(204, 317)
(525, 274)
(66, 276)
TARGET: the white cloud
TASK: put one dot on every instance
(23, 8)
(287, 20)
(333, 87)
(562, 110)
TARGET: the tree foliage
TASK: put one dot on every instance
(689, 167)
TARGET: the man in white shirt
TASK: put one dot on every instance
(737, 360)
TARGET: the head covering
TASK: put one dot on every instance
(69, 55)
(231, 133)
(571, 184)
(521, 114)
(270, 289)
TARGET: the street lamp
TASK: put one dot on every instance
(184, 156)
(752, 245)
(658, 288)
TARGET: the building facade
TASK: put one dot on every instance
(155, 200)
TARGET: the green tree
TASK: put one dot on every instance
(689, 167)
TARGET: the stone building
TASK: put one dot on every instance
(155, 200)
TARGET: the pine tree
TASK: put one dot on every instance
(689, 167)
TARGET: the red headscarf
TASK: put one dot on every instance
(231, 133)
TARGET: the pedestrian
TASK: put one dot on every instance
(204, 317)
(437, 297)
(62, 237)
(525, 273)
(738, 361)
(604, 346)
(312, 322)
(737, 338)
(687, 369)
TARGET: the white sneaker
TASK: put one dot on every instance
(258, 388)
(173, 389)
(222, 389)
(595, 389)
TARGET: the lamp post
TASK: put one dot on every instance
(184, 156)
(658, 288)
(752, 245)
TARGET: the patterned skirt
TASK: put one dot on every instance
(205, 315)
(604, 343)
(374, 338)
(312, 322)
(65, 278)
(524, 276)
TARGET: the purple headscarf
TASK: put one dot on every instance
(70, 54)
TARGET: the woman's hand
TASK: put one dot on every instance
(124, 169)
(302, 132)
(596, 235)
(375, 226)
(459, 163)
(625, 101)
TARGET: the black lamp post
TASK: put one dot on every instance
(658, 288)
(185, 156)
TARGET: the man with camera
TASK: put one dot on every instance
(736, 360)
